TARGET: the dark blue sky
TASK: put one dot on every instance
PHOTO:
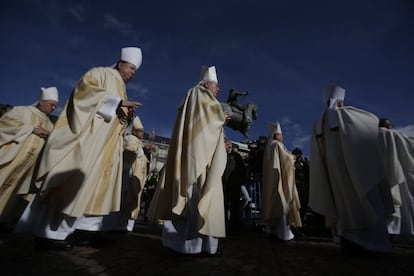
(283, 52)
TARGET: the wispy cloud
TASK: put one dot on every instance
(285, 72)
(56, 12)
(275, 67)
(295, 133)
(77, 41)
(77, 12)
(68, 82)
(62, 81)
(407, 130)
(137, 91)
(301, 141)
(111, 22)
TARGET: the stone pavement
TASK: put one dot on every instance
(250, 252)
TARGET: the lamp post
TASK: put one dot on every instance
(151, 149)
(152, 135)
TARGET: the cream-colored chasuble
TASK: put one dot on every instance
(137, 162)
(397, 154)
(195, 164)
(81, 170)
(280, 197)
(19, 150)
(347, 183)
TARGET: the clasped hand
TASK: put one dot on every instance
(131, 105)
(227, 116)
(41, 132)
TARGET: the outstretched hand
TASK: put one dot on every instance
(131, 104)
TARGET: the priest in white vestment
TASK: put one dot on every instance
(397, 153)
(347, 184)
(23, 132)
(280, 204)
(133, 181)
(80, 173)
(190, 193)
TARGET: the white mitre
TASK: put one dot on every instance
(333, 92)
(132, 55)
(50, 93)
(274, 128)
(137, 124)
(208, 74)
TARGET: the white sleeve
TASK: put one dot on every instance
(108, 109)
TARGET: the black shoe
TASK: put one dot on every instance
(82, 242)
(351, 249)
(298, 232)
(5, 228)
(84, 238)
(50, 244)
(275, 238)
(207, 254)
(97, 239)
(217, 254)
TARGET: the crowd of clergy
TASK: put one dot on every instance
(66, 182)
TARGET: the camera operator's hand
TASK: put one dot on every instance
(227, 116)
